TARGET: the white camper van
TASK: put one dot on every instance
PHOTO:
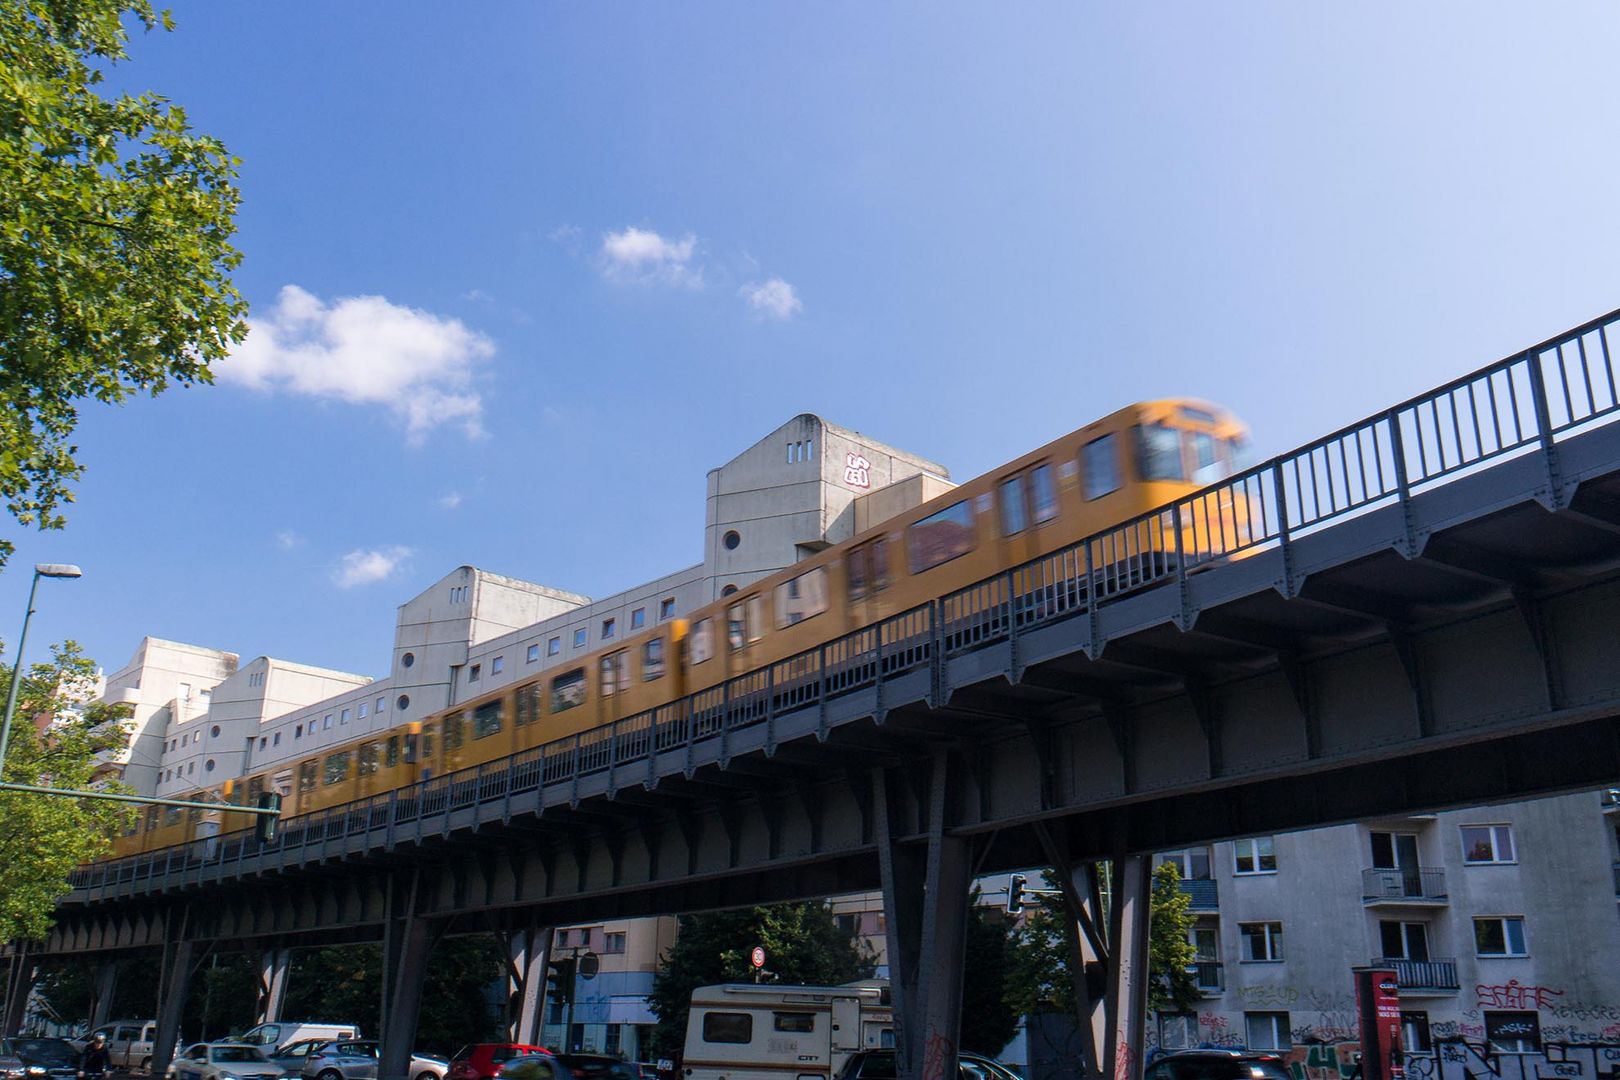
(742, 1031)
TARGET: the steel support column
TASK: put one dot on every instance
(174, 979)
(101, 992)
(528, 955)
(19, 984)
(1131, 891)
(1087, 947)
(408, 938)
(275, 965)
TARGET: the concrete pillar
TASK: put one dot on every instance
(528, 955)
(925, 898)
(101, 993)
(19, 984)
(1132, 891)
(275, 965)
(174, 980)
(408, 938)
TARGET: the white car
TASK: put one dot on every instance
(223, 1061)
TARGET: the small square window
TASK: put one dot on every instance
(607, 629)
(638, 618)
(1268, 1031)
(1254, 855)
(1487, 844)
(579, 638)
(1262, 941)
(534, 653)
(1499, 935)
(554, 646)
(497, 665)
(474, 672)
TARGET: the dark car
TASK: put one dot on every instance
(481, 1061)
(880, 1065)
(1218, 1065)
(57, 1057)
(568, 1067)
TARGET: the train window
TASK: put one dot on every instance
(427, 742)
(568, 690)
(410, 749)
(337, 767)
(370, 758)
(454, 731)
(1159, 450)
(745, 622)
(802, 598)
(487, 719)
(701, 641)
(1099, 460)
(306, 775)
(391, 752)
(171, 816)
(151, 818)
(282, 783)
(941, 537)
(1242, 453)
(869, 568)
(193, 814)
(528, 704)
(1198, 416)
(652, 659)
(1043, 500)
(255, 788)
(615, 673)
(1012, 506)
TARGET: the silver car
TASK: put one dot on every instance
(356, 1059)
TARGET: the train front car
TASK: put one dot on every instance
(1185, 447)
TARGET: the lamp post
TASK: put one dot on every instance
(53, 570)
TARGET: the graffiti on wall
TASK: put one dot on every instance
(1516, 995)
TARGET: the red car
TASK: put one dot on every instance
(481, 1061)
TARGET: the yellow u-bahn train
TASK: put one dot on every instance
(1108, 472)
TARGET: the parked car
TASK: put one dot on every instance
(1218, 1065)
(285, 1032)
(568, 1067)
(11, 1066)
(356, 1059)
(880, 1065)
(55, 1058)
(129, 1043)
(483, 1061)
(290, 1058)
(223, 1061)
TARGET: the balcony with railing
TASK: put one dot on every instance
(1425, 885)
(1422, 977)
(1204, 895)
(1210, 975)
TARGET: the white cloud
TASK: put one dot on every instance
(287, 539)
(365, 351)
(450, 500)
(364, 566)
(775, 298)
(478, 296)
(644, 256)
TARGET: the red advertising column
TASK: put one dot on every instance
(1379, 1001)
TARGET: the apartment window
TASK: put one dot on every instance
(275, 740)
(554, 646)
(364, 705)
(638, 618)
(607, 629)
(497, 665)
(326, 724)
(298, 732)
(213, 732)
(666, 608)
(343, 717)
(1403, 940)
(263, 742)
(474, 672)
(613, 943)
(1193, 863)
(380, 703)
(1499, 935)
(1262, 941)
(1415, 1033)
(562, 938)
(1513, 1032)
(1268, 1030)
(534, 653)
(1255, 855)
(579, 638)
(1178, 1031)
(1487, 844)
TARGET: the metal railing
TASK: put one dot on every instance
(1425, 883)
(1518, 404)
(1421, 974)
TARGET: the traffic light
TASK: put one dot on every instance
(560, 980)
(265, 827)
(1015, 894)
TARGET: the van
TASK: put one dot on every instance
(279, 1033)
(129, 1043)
(743, 1031)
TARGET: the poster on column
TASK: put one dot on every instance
(1378, 1000)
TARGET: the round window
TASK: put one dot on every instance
(208, 766)
(728, 590)
(407, 660)
(403, 703)
(732, 539)
(214, 731)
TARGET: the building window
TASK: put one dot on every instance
(1255, 855)
(613, 943)
(1193, 863)
(407, 660)
(1262, 941)
(1178, 1031)
(326, 724)
(1415, 1033)
(298, 732)
(213, 732)
(638, 618)
(403, 702)
(1404, 940)
(364, 705)
(380, 703)
(275, 740)
(534, 653)
(1499, 935)
(1513, 1032)
(579, 638)
(613, 1039)
(666, 608)
(343, 717)
(1268, 1030)
(474, 672)
(263, 742)
(497, 665)
(731, 539)
(607, 629)
(562, 938)
(1487, 844)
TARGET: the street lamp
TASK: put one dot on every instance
(56, 570)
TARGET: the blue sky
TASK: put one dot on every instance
(520, 273)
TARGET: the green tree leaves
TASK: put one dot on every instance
(1172, 984)
(115, 221)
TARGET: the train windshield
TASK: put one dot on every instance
(1160, 453)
